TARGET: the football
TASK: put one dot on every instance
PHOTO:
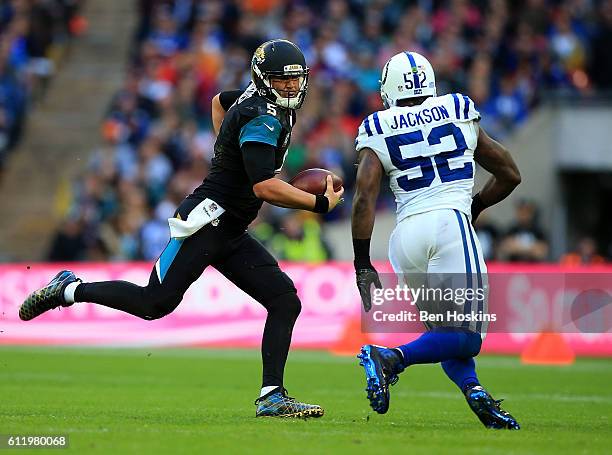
(313, 181)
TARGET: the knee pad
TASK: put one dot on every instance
(288, 303)
(473, 343)
(162, 305)
(456, 343)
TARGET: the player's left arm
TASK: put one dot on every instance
(221, 102)
(369, 175)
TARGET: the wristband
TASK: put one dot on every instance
(361, 247)
(321, 204)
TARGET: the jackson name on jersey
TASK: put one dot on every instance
(427, 150)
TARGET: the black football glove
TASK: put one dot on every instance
(477, 207)
(365, 279)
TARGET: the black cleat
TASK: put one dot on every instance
(278, 404)
(381, 365)
(47, 298)
(488, 411)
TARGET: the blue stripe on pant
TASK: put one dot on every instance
(478, 272)
(468, 266)
(167, 257)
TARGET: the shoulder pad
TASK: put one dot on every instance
(255, 106)
(460, 107)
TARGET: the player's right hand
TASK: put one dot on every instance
(365, 279)
(334, 197)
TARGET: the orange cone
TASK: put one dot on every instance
(351, 340)
(548, 348)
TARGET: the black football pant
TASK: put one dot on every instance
(239, 257)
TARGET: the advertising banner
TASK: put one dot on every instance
(524, 300)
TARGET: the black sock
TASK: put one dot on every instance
(124, 296)
(282, 314)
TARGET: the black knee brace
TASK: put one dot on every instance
(159, 306)
(473, 344)
(288, 304)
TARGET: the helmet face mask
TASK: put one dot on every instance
(279, 59)
(406, 75)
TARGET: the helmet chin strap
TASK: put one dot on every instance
(386, 101)
(285, 101)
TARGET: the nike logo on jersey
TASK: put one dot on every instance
(271, 128)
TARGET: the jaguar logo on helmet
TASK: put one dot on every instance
(260, 54)
(279, 59)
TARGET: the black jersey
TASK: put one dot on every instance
(229, 183)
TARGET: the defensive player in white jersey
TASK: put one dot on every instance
(428, 145)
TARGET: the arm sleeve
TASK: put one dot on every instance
(264, 128)
(229, 97)
(258, 161)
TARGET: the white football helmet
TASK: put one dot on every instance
(406, 75)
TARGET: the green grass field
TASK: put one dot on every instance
(201, 401)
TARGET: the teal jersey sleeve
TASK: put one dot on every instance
(265, 129)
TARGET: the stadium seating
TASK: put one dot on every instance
(157, 139)
(33, 37)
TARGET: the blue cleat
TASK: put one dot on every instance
(382, 366)
(278, 404)
(488, 411)
(47, 298)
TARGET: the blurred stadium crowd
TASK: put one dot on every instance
(157, 139)
(33, 36)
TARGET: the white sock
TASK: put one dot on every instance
(266, 390)
(69, 292)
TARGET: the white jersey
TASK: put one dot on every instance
(427, 151)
